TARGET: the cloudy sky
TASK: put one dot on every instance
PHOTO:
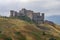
(49, 7)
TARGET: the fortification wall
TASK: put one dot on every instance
(37, 17)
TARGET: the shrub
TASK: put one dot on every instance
(5, 37)
(2, 36)
(8, 38)
(17, 33)
(52, 38)
(25, 18)
(0, 31)
(43, 33)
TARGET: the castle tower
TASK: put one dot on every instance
(39, 19)
(16, 13)
(22, 12)
(13, 13)
(43, 17)
(36, 17)
(29, 14)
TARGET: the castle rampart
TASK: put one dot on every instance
(37, 17)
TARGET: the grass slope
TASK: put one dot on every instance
(16, 29)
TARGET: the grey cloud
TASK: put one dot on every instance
(48, 7)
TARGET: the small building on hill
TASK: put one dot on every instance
(36, 17)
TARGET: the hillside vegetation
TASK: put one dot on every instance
(16, 29)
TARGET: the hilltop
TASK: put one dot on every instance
(16, 29)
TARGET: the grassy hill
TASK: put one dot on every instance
(16, 29)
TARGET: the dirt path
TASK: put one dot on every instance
(55, 29)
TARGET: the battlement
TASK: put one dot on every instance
(36, 17)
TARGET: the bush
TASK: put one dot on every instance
(5, 37)
(2, 36)
(44, 33)
(25, 18)
(17, 33)
(8, 38)
(0, 31)
(52, 38)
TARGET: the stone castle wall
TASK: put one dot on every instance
(33, 16)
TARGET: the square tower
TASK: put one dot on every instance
(38, 18)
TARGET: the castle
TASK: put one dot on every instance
(36, 17)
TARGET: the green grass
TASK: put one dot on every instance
(20, 36)
(19, 29)
(36, 35)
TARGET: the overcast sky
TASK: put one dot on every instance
(49, 7)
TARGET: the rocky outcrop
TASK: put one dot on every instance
(50, 23)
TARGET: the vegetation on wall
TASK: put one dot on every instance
(25, 18)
